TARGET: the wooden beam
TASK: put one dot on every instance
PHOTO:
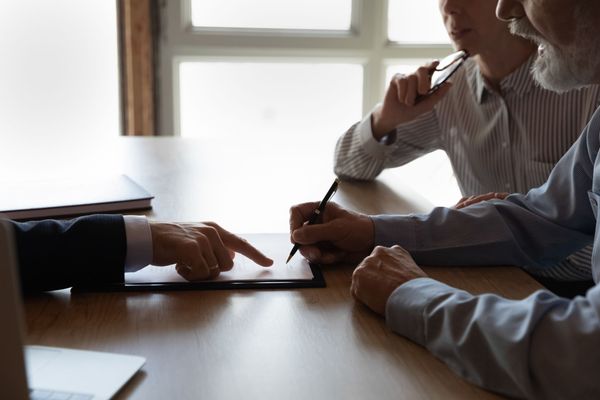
(137, 67)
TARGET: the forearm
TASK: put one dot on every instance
(359, 155)
(540, 347)
(490, 233)
(537, 229)
(58, 254)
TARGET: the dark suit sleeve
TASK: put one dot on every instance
(56, 254)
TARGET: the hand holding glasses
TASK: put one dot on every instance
(445, 69)
(403, 94)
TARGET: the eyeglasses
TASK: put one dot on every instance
(446, 68)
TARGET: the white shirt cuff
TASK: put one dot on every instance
(139, 242)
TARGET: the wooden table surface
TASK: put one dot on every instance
(269, 344)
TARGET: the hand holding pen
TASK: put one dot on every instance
(316, 213)
(333, 235)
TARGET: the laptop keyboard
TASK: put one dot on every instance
(37, 394)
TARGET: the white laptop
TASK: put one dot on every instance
(39, 372)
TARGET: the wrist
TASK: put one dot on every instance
(378, 128)
(369, 229)
(139, 242)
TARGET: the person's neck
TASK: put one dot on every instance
(500, 62)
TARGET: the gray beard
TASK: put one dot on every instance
(573, 67)
(558, 72)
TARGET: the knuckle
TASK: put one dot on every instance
(401, 250)
(357, 273)
(190, 246)
(368, 263)
(379, 250)
(210, 231)
(202, 241)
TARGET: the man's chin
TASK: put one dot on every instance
(552, 73)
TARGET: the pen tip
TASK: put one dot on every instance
(288, 259)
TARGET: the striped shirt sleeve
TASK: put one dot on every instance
(359, 156)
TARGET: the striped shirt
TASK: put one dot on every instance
(506, 142)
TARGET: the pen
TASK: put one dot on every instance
(317, 211)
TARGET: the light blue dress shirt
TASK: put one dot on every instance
(542, 347)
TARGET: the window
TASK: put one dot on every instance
(59, 69)
(421, 25)
(287, 69)
(240, 97)
(272, 14)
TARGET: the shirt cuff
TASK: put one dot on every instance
(393, 230)
(406, 308)
(371, 146)
(139, 242)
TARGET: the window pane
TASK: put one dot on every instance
(274, 14)
(412, 21)
(306, 106)
(59, 72)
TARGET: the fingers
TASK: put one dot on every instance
(460, 204)
(323, 256)
(325, 232)
(242, 246)
(401, 84)
(299, 214)
(196, 274)
(423, 80)
(215, 251)
(369, 288)
(382, 272)
(231, 242)
(430, 100)
(411, 89)
(192, 262)
(464, 202)
(200, 250)
(179, 244)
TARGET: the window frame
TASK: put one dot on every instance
(364, 43)
(136, 24)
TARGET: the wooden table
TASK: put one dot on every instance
(273, 344)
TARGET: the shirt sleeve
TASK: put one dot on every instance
(139, 243)
(542, 347)
(359, 156)
(537, 229)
